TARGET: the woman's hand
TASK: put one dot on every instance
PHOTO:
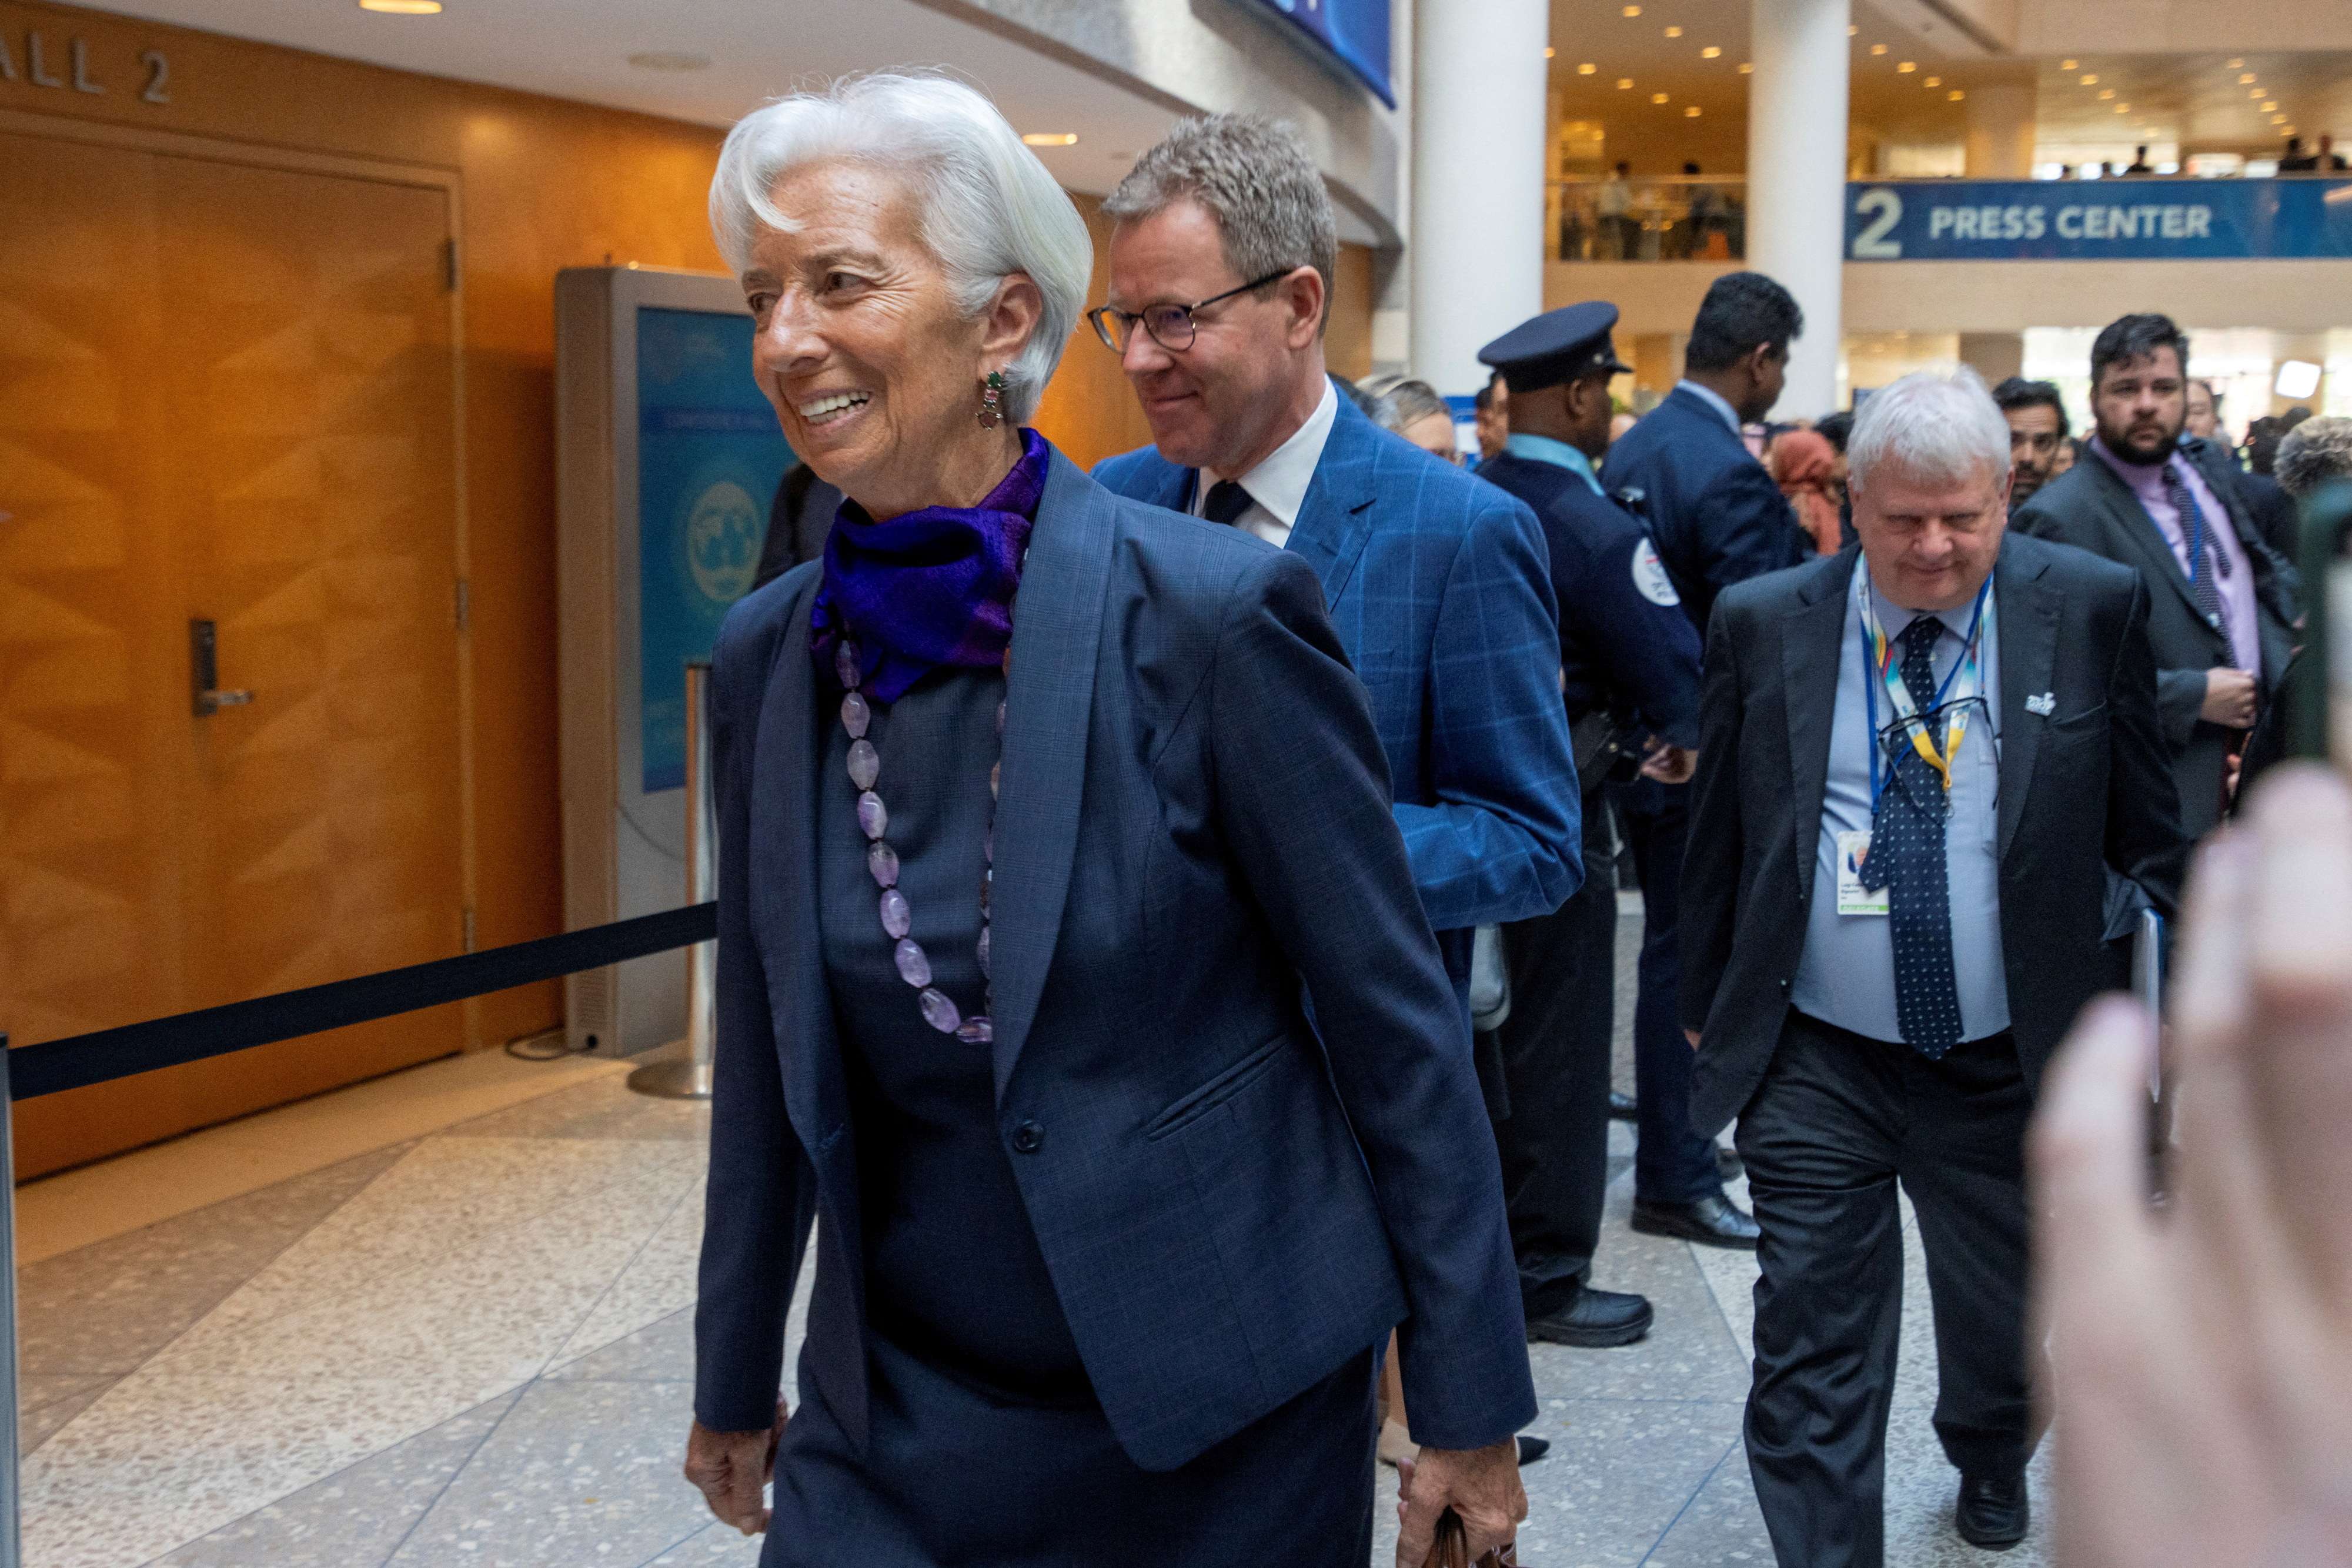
(2204, 1353)
(731, 1468)
(1480, 1485)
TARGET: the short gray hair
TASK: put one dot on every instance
(2312, 454)
(1407, 404)
(1941, 427)
(1255, 177)
(987, 206)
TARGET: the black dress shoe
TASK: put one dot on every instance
(1727, 1163)
(1623, 1107)
(1713, 1221)
(1993, 1511)
(1594, 1320)
(1533, 1449)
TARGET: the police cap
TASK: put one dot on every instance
(1558, 346)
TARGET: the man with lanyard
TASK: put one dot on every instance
(1628, 668)
(1919, 764)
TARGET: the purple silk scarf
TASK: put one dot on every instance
(930, 589)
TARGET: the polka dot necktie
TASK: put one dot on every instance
(1907, 855)
(2205, 585)
(1227, 501)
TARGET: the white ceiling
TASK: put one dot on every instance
(580, 49)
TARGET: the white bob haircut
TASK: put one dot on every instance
(988, 208)
(1933, 427)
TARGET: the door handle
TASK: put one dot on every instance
(204, 671)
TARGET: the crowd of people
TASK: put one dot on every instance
(1277, 771)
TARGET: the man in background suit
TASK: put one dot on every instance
(2222, 601)
(1717, 519)
(1918, 767)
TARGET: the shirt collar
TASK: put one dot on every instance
(2138, 476)
(1714, 400)
(1279, 483)
(1560, 454)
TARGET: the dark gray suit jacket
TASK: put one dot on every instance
(2088, 506)
(1231, 1201)
(2082, 789)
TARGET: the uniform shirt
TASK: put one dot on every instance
(2145, 481)
(1559, 453)
(1715, 400)
(1278, 486)
(1846, 977)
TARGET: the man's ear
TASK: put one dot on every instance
(1304, 293)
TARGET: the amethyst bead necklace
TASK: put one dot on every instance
(874, 820)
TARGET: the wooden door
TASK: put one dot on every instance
(226, 391)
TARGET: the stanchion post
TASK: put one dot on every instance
(688, 1077)
(11, 1539)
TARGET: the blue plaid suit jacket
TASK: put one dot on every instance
(1440, 587)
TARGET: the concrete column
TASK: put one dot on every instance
(2001, 131)
(1795, 180)
(1996, 355)
(1477, 182)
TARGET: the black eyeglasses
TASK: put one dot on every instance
(1171, 326)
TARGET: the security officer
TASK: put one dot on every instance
(1629, 667)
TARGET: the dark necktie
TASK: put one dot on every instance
(1907, 855)
(2196, 531)
(1227, 501)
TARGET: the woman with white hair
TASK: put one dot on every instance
(1036, 807)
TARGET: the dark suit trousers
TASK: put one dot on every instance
(1673, 1162)
(1838, 1120)
(1554, 1048)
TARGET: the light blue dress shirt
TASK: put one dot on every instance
(1560, 454)
(1846, 977)
(1714, 400)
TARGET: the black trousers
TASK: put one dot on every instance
(1554, 1050)
(1674, 1162)
(1838, 1120)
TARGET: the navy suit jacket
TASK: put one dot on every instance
(1714, 511)
(1194, 820)
(1439, 590)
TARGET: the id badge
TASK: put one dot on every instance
(1852, 896)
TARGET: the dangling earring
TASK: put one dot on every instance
(992, 395)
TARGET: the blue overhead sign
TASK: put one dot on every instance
(1354, 32)
(2098, 220)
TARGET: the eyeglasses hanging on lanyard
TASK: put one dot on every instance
(1879, 672)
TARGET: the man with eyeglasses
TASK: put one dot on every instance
(1438, 585)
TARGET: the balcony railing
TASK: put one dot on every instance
(1680, 219)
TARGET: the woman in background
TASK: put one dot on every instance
(1804, 465)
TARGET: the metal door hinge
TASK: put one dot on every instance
(465, 606)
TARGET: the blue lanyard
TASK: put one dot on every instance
(1873, 672)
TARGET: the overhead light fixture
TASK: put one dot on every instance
(403, 7)
(658, 60)
(2245, 79)
(1851, 31)
(2105, 93)
(2278, 119)
(2286, 131)
(2297, 380)
(1632, 11)
(1051, 139)
(2069, 65)
(1691, 113)
(2123, 108)
(1905, 68)
(1674, 32)
(1712, 52)
(2090, 79)
(1624, 82)
(1657, 98)
(2269, 106)
(1550, 51)
(1933, 81)
(1956, 95)
(1878, 49)
(2235, 64)
(1587, 69)
(1747, 68)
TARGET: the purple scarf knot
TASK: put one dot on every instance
(931, 589)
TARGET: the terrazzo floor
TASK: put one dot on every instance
(475, 1348)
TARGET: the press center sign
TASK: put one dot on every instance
(2102, 220)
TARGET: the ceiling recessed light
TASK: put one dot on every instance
(1933, 81)
(1550, 51)
(1632, 11)
(2245, 79)
(2257, 92)
(1905, 68)
(1853, 31)
(1624, 82)
(2269, 106)
(2090, 79)
(1674, 32)
(2069, 65)
(1052, 138)
(2235, 64)
(1956, 95)
(1878, 49)
(403, 7)
(1691, 113)
(2278, 119)
(1587, 69)
(2286, 131)
(1657, 98)
(2105, 93)
(1712, 52)
(658, 60)
(2123, 108)
(1746, 67)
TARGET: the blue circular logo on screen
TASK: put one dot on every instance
(723, 530)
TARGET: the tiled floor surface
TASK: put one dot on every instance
(475, 1348)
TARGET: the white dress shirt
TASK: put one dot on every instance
(1278, 486)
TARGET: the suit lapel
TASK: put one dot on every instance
(1334, 519)
(1813, 640)
(1049, 701)
(2140, 534)
(784, 886)
(2025, 626)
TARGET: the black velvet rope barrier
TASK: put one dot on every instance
(56, 1065)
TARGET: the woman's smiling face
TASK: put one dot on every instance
(874, 370)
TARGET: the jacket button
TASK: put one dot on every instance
(1784, 988)
(1028, 1138)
